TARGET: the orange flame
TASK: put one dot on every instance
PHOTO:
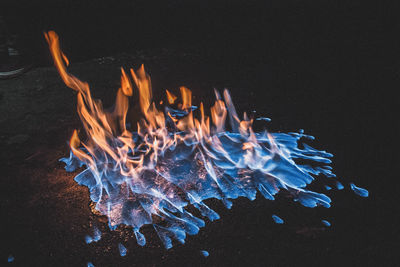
(103, 127)
(171, 98)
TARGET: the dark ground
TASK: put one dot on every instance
(329, 68)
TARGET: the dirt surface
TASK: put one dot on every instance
(334, 81)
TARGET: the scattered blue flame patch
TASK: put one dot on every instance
(122, 250)
(326, 223)
(359, 191)
(10, 258)
(205, 253)
(277, 219)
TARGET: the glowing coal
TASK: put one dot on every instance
(179, 157)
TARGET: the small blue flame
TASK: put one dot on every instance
(88, 239)
(327, 187)
(89, 264)
(326, 223)
(10, 258)
(96, 236)
(122, 250)
(339, 186)
(277, 219)
(263, 119)
(359, 191)
(205, 253)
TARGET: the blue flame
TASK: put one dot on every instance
(193, 172)
(96, 236)
(327, 187)
(263, 119)
(205, 253)
(277, 219)
(122, 250)
(10, 258)
(359, 191)
(174, 160)
(326, 223)
(88, 239)
(339, 186)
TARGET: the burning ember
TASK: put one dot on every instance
(179, 157)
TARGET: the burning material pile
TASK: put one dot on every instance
(179, 157)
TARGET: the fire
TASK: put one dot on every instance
(179, 157)
(171, 97)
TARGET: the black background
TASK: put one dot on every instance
(329, 67)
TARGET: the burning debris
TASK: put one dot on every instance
(179, 156)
